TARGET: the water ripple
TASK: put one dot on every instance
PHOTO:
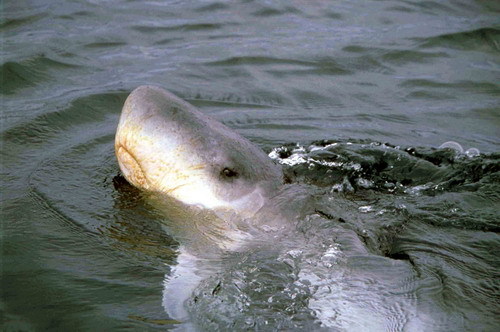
(483, 39)
(21, 21)
(18, 75)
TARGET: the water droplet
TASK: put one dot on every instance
(472, 152)
(364, 183)
(365, 209)
(452, 145)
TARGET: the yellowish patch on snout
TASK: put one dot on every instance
(131, 168)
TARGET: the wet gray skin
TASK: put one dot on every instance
(201, 174)
(165, 145)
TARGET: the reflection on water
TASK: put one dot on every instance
(396, 220)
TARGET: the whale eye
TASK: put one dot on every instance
(228, 173)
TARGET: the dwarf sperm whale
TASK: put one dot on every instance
(199, 172)
(227, 204)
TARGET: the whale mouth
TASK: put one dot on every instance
(131, 168)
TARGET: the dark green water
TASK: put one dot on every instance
(82, 251)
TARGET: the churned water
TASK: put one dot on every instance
(354, 98)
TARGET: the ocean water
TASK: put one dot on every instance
(353, 98)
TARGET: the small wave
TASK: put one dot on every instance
(17, 22)
(269, 11)
(465, 86)
(16, 76)
(181, 27)
(89, 109)
(256, 99)
(483, 39)
(283, 68)
(105, 44)
(259, 60)
(76, 15)
(364, 62)
(431, 7)
(411, 56)
(398, 56)
(29, 72)
(213, 7)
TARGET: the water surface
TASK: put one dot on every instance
(82, 251)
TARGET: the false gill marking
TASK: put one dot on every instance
(132, 168)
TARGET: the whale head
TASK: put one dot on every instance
(165, 145)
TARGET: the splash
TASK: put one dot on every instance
(471, 153)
